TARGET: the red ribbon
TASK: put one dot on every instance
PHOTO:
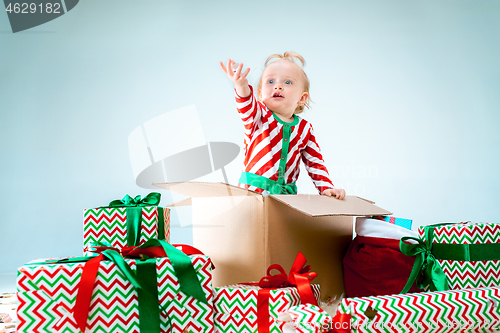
(299, 277)
(341, 323)
(89, 273)
(85, 289)
(136, 252)
(188, 249)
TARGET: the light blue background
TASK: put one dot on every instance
(406, 103)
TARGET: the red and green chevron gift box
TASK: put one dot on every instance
(235, 307)
(109, 225)
(475, 258)
(464, 310)
(47, 294)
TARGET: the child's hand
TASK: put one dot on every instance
(336, 192)
(239, 79)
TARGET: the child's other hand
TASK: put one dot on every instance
(336, 192)
(239, 79)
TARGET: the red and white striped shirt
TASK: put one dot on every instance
(263, 143)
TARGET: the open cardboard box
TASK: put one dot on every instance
(244, 232)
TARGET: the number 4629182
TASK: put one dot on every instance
(31, 8)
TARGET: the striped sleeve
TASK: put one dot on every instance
(314, 164)
(249, 109)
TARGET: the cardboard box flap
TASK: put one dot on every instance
(185, 202)
(199, 189)
(372, 202)
(320, 205)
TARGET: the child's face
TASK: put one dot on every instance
(283, 87)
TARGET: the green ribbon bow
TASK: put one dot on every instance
(426, 265)
(152, 199)
(134, 215)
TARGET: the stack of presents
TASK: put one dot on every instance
(280, 263)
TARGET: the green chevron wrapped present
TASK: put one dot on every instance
(236, 308)
(465, 310)
(467, 253)
(107, 293)
(254, 307)
(127, 222)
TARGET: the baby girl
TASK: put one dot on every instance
(276, 139)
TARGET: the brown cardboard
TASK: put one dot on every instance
(197, 189)
(244, 232)
(320, 205)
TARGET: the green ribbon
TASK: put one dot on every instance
(152, 199)
(149, 311)
(287, 130)
(183, 269)
(112, 255)
(267, 184)
(182, 265)
(134, 215)
(467, 252)
(427, 253)
(426, 265)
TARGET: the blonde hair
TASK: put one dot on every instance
(289, 56)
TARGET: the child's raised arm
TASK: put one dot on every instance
(239, 79)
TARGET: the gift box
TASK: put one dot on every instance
(53, 298)
(468, 253)
(405, 223)
(256, 231)
(127, 222)
(235, 307)
(465, 310)
(254, 307)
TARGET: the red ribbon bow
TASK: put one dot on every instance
(342, 322)
(300, 277)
